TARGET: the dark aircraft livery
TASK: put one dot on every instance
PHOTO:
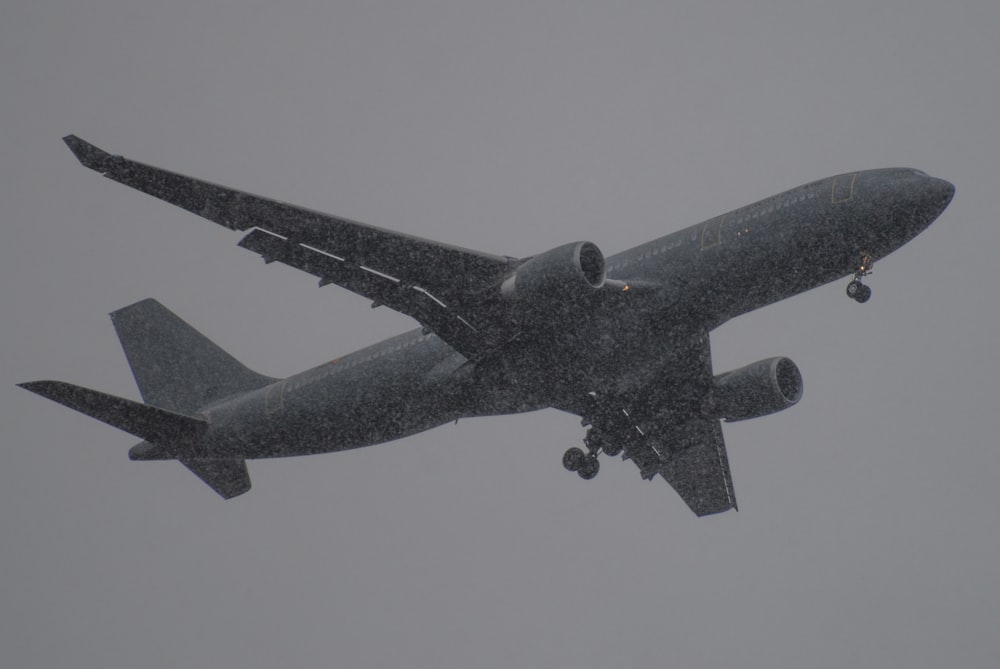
(622, 342)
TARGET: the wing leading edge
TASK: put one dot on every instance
(439, 285)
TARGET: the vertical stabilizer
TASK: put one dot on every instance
(175, 366)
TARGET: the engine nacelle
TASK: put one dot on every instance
(759, 389)
(564, 272)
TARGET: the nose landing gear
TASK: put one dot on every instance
(856, 290)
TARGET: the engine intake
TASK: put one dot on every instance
(565, 271)
(759, 389)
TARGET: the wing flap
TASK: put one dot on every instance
(690, 456)
(697, 467)
(381, 288)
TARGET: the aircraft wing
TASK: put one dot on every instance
(664, 428)
(699, 468)
(689, 453)
(432, 282)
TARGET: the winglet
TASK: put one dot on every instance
(88, 154)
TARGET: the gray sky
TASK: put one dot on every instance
(869, 531)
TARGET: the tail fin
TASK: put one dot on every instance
(178, 371)
(175, 366)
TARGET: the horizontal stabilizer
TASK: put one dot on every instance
(168, 435)
(143, 420)
(229, 478)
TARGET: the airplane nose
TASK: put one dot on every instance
(942, 190)
(937, 194)
(910, 201)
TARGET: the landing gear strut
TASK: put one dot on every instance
(856, 290)
(599, 441)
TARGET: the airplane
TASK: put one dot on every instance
(622, 342)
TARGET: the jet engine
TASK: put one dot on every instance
(759, 389)
(565, 271)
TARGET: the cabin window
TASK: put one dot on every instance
(843, 188)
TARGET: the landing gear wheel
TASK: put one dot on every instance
(856, 290)
(573, 460)
(589, 468)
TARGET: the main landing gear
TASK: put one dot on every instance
(856, 290)
(586, 465)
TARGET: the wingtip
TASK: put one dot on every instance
(50, 390)
(44, 388)
(147, 303)
(241, 489)
(88, 154)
